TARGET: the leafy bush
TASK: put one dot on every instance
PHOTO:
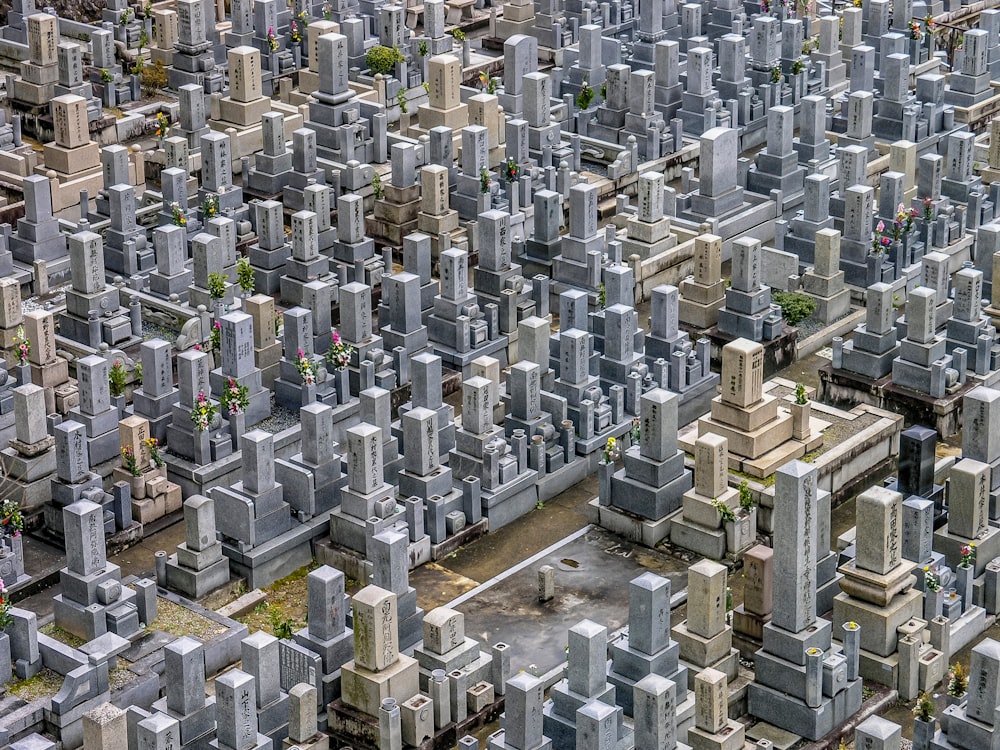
(152, 78)
(795, 306)
(117, 378)
(382, 59)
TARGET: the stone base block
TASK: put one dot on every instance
(731, 737)
(365, 690)
(701, 651)
(648, 501)
(196, 584)
(790, 713)
(878, 624)
(644, 531)
(792, 646)
(710, 543)
(873, 588)
(751, 444)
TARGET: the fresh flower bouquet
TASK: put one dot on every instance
(881, 242)
(179, 218)
(511, 170)
(305, 368)
(340, 351)
(11, 520)
(235, 397)
(611, 452)
(272, 40)
(130, 461)
(931, 580)
(968, 555)
(210, 207)
(153, 446)
(162, 125)
(203, 412)
(22, 347)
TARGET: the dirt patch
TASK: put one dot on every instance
(45, 684)
(177, 620)
(286, 607)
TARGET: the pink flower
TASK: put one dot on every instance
(880, 227)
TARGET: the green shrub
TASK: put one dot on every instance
(152, 78)
(382, 59)
(795, 306)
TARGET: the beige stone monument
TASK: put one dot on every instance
(246, 103)
(445, 106)
(704, 293)
(378, 670)
(758, 426)
(705, 638)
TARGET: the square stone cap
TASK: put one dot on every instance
(589, 629)
(876, 726)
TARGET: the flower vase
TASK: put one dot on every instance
(742, 532)
(137, 486)
(466, 52)
(933, 603)
(308, 393)
(237, 426)
(874, 275)
(297, 54)
(510, 190)
(22, 373)
(272, 59)
(923, 733)
(800, 420)
(119, 403)
(955, 700)
(965, 575)
(342, 384)
(798, 82)
(202, 447)
(604, 473)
